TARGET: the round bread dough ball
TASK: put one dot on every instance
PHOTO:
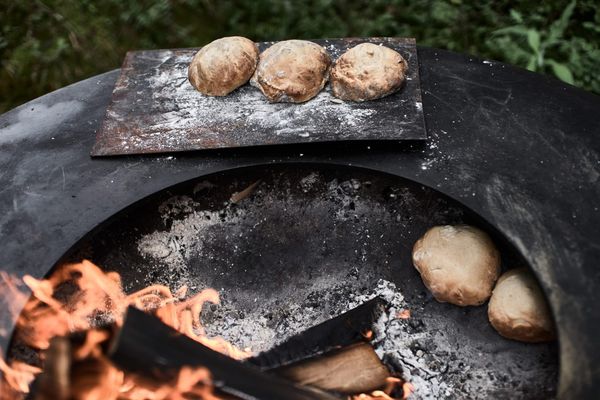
(518, 309)
(292, 71)
(458, 264)
(368, 72)
(223, 65)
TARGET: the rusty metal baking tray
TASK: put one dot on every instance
(155, 109)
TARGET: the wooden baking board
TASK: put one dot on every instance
(155, 109)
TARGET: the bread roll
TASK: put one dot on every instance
(458, 264)
(368, 72)
(518, 309)
(292, 71)
(223, 65)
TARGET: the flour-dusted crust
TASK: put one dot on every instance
(367, 72)
(459, 264)
(518, 309)
(223, 65)
(292, 71)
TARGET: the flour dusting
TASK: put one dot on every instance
(170, 87)
(155, 108)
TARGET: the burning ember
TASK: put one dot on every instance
(69, 322)
(385, 394)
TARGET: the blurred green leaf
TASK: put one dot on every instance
(532, 64)
(533, 38)
(516, 15)
(517, 29)
(558, 27)
(591, 26)
(561, 71)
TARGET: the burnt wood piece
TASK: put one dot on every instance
(147, 346)
(65, 377)
(54, 381)
(350, 370)
(344, 330)
(155, 109)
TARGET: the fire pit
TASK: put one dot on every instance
(308, 244)
(503, 154)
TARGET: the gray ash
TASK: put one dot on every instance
(309, 244)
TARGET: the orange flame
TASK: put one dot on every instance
(407, 389)
(403, 314)
(75, 296)
(18, 375)
(391, 383)
(186, 384)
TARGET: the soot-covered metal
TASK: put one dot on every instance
(305, 244)
(155, 109)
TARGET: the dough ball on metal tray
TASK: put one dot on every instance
(292, 71)
(518, 309)
(223, 65)
(368, 72)
(459, 264)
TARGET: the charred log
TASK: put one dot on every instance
(55, 381)
(148, 347)
(344, 330)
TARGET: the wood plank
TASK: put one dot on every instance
(352, 370)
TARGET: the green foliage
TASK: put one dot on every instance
(46, 44)
(548, 48)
